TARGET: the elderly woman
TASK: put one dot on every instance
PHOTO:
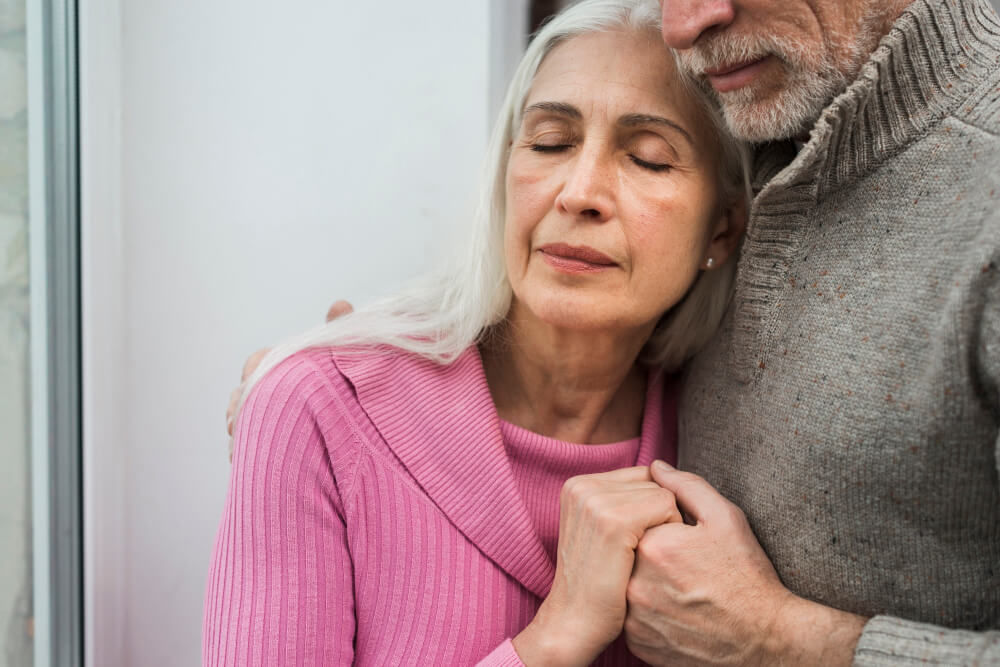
(397, 494)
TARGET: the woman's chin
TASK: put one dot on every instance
(583, 315)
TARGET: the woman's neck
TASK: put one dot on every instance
(577, 386)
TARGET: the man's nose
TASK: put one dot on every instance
(588, 193)
(684, 21)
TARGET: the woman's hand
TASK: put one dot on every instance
(601, 519)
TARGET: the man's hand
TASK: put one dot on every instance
(335, 311)
(707, 594)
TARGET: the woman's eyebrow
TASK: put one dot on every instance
(560, 108)
(637, 119)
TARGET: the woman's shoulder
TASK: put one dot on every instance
(332, 369)
(384, 370)
(315, 380)
(363, 382)
(350, 401)
(343, 369)
(298, 378)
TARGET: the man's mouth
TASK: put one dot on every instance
(736, 75)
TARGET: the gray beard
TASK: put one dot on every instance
(791, 112)
(813, 81)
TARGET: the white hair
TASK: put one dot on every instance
(443, 314)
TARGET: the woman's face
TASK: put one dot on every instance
(612, 187)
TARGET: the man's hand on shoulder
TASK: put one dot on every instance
(704, 592)
(336, 310)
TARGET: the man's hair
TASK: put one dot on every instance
(444, 313)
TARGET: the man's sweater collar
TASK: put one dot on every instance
(938, 59)
(933, 59)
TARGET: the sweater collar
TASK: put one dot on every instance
(935, 57)
(441, 423)
(939, 55)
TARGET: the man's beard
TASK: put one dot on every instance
(812, 79)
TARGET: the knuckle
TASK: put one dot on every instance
(735, 515)
(647, 549)
(633, 625)
(594, 506)
(571, 488)
(635, 592)
(667, 497)
(609, 519)
(653, 548)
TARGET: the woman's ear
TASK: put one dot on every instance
(728, 232)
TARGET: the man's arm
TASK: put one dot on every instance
(891, 642)
(707, 594)
(894, 641)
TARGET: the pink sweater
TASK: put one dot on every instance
(542, 465)
(374, 518)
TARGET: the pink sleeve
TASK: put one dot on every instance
(502, 656)
(280, 586)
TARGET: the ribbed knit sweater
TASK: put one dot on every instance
(542, 465)
(850, 404)
(374, 517)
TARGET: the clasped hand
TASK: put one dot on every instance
(695, 592)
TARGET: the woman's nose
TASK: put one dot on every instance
(588, 192)
(684, 21)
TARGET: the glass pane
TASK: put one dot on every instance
(16, 628)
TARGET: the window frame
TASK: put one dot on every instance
(54, 232)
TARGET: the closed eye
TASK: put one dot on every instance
(652, 166)
(548, 148)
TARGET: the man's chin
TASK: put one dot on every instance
(758, 117)
(759, 123)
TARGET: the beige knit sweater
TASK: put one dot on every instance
(851, 403)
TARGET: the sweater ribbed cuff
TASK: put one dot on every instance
(502, 656)
(888, 641)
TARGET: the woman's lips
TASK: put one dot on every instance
(733, 77)
(575, 259)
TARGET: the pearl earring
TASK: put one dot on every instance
(710, 262)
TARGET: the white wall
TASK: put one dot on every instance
(273, 156)
(244, 164)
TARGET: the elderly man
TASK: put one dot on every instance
(850, 404)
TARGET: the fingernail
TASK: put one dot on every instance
(663, 465)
